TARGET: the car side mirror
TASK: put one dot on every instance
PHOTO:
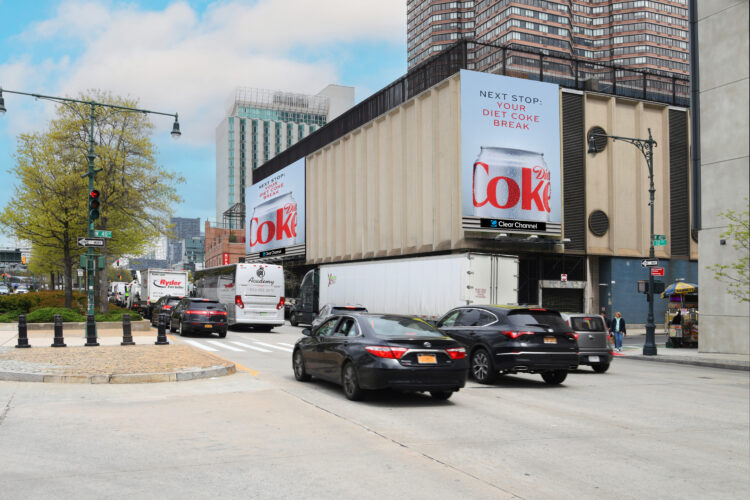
(306, 332)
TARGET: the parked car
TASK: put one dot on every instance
(163, 305)
(378, 351)
(594, 348)
(502, 340)
(193, 315)
(22, 289)
(4, 290)
(329, 310)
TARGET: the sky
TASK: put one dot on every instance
(187, 57)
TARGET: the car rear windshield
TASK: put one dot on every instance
(207, 305)
(587, 324)
(398, 326)
(345, 309)
(522, 318)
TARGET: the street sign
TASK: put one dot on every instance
(649, 262)
(657, 271)
(80, 272)
(90, 242)
(102, 234)
(660, 240)
(563, 277)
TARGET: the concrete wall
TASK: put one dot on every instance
(724, 89)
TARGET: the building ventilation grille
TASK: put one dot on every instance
(679, 184)
(574, 177)
(598, 223)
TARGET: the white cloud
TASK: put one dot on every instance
(181, 60)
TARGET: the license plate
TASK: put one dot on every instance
(427, 359)
(207, 326)
(550, 340)
(262, 314)
(594, 359)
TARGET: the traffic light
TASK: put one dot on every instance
(94, 204)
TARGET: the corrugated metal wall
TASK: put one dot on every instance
(574, 175)
(679, 184)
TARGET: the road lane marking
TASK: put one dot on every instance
(199, 345)
(288, 345)
(251, 347)
(225, 346)
(273, 346)
(245, 369)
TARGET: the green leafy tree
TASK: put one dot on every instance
(736, 274)
(137, 194)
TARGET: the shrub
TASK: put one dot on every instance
(47, 315)
(10, 316)
(116, 316)
(20, 302)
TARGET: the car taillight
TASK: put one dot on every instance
(382, 351)
(515, 334)
(166, 307)
(280, 305)
(574, 335)
(238, 301)
(456, 352)
(198, 313)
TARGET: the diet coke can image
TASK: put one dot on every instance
(274, 224)
(511, 184)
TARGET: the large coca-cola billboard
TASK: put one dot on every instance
(275, 208)
(510, 154)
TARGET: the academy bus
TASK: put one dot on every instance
(253, 293)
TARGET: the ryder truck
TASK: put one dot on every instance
(155, 283)
(426, 287)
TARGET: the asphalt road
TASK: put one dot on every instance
(642, 430)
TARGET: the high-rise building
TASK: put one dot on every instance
(645, 35)
(259, 125)
(185, 228)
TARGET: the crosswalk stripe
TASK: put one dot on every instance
(273, 346)
(251, 347)
(199, 345)
(288, 345)
(225, 346)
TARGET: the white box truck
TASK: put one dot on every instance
(417, 286)
(155, 283)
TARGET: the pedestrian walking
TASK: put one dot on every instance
(606, 319)
(617, 327)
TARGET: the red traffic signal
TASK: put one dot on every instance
(94, 204)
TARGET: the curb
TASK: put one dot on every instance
(727, 365)
(121, 378)
(139, 326)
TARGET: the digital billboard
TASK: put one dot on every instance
(275, 220)
(510, 154)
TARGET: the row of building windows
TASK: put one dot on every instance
(434, 38)
(483, 14)
(629, 61)
(515, 23)
(619, 28)
(636, 38)
(418, 18)
(278, 115)
(637, 4)
(442, 27)
(516, 11)
(445, 16)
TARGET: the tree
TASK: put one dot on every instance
(136, 194)
(737, 273)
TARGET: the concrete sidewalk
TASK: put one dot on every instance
(107, 363)
(682, 355)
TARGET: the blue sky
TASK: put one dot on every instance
(187, 57)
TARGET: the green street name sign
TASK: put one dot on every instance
(102, 234)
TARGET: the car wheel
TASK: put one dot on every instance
(181, 329)
(298, 364)
(222, 334)
(352, 390)
(481, 367)
(555, 377)
(293, 319)
(441, 395)
(171, 327)
(600, 367)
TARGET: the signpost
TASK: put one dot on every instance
(91, 242)
(657, 271)
(649, 262)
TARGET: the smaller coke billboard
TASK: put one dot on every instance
(276, 210)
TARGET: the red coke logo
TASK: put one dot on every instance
(279, 227)
(533, 192)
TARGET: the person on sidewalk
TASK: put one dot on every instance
(617, 328)
(606, 318)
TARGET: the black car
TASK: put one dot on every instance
(379, 351)
(193, 315)
(513, 339)
(163, 305)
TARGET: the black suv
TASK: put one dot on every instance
(163, 305)
(193, 315)
(502, 340)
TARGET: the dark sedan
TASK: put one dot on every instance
(193, 315)
(380, 351)
(513, 339)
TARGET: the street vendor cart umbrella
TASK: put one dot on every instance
(679, 288)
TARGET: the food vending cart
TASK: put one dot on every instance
(681, 318)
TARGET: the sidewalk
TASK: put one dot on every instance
(108, 363)
(682, 355)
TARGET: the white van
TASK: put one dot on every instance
(253, 293)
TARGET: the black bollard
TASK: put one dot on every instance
(161, 335)
(23, 338)
(127, 337)
(91, 331)
(59, 340)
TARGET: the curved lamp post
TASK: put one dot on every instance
(646, 146)
(91, 171)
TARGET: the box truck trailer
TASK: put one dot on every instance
(155, 283)
(426, 287)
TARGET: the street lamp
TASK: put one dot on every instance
(90, 266)
(646, 147)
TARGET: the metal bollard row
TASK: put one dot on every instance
(59, 340)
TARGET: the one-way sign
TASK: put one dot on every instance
(90, 242)
(649, 262)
